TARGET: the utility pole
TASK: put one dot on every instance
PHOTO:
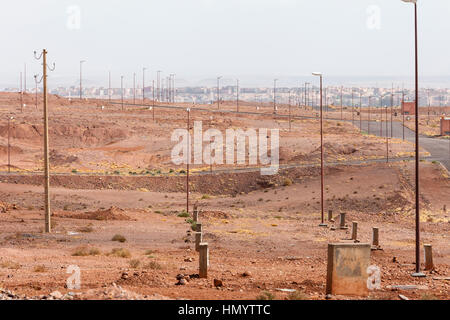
(275, 96)
(134, 88)
(25, 78)
(353, 108)
(218, 92)
(121, 89)
(9, 145)
(81, 79)
(237, 95)
(143, 84)
(48, 228)
(403, 111)
(158, 82)
(360, 110)
(392, 108)
(368, 122)
(289, 110)
(21, 93)
(342, 115)
(381, 115)
(109, 82)
(153, 92)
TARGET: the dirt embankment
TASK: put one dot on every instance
(219, 184)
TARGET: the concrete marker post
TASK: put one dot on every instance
(342, 224)
(195, 214)
(355, 230)
(375, 238)
(203, 260)
(330, 216)
(428, 257)
(199, 227)
(198, 240)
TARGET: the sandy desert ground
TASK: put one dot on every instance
(112, 175)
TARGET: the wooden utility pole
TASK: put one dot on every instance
(46, 152)
(48, 228)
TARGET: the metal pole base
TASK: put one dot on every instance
(323, 225)
(418, 275)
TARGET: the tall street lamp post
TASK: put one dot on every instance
(322, 224)
(418, 273)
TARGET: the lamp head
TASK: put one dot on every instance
(319, 74)
(410, 1)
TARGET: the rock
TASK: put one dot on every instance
(124, 276)
(403, 297)
(180, 276)
(218, 283)
(328, 296)
(181, 282)
(247, 274)
(56, 295)
(188, 260)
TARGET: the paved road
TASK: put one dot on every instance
(439, 149)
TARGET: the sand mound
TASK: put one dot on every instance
(58, 159)
(110, 214)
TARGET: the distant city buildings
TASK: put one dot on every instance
(284, 95)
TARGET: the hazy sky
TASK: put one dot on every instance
(255, 40)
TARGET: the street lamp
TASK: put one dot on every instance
(322, 224)
(275, 96)
(121, 89)
(81, 78)
(143, 84)
(218, 92)
(417, 273)
(237, 95)
(188, 157)
(9, 145)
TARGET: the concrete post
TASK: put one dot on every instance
(203, 260)
(199, 227)
(198, 240)
(428, 257)
(375, 237)
(195, 214)
(342, 221)
(354, 230)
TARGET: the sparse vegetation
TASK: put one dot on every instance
(40, 268)
(287, 182)
(153, 265)
(119, 238)
(297, 295)
(265, 295)
(10, 265)
(135, 263)
(120, 252)
(84, 251)
(183, 214)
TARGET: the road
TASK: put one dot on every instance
(439, 149)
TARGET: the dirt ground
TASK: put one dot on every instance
(114, 180)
